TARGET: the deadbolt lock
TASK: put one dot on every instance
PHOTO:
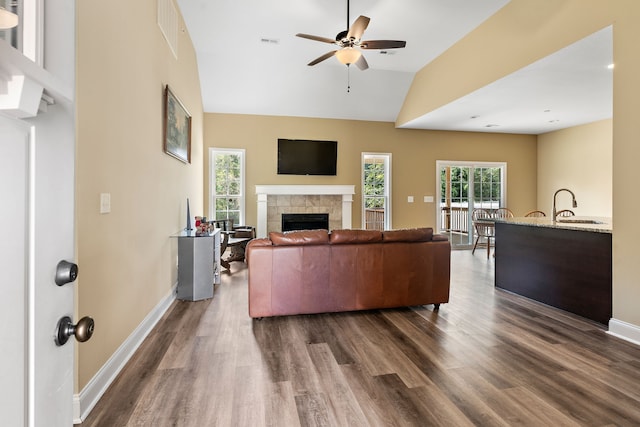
(66, 272)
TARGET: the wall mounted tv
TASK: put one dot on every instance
(307, 157)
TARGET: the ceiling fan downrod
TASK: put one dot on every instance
(348, 20)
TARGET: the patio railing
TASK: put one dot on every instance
(455, 219)
(374, 219)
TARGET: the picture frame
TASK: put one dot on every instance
(177, 127)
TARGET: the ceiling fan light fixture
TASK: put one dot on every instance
(7, 19)
(348, 55)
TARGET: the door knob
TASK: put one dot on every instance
(83, 330)
(66, 272)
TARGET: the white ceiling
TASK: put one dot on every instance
(250, 62)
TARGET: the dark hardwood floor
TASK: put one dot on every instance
(487, 358)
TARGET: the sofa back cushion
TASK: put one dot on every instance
(408, 235)
(302, 237)
(342, 237)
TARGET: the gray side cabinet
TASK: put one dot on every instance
(198, 265)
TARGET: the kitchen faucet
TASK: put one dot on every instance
(575, 204)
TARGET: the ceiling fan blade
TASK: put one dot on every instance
(322, 58)
(358, 27)
(362, 63)
(316, 38)
(383, 44)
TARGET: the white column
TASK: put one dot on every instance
(347, 202)
(261, 228)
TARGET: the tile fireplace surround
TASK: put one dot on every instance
(301, 199)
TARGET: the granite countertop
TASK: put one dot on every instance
(602, 225)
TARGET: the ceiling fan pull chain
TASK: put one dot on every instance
(348, 79)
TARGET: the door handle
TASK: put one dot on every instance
(83, 330)
(66, 272)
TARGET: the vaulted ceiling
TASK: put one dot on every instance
(251, 62)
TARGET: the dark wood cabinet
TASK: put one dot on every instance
(567, 269)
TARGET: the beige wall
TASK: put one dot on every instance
(127, 262)
(580, 159)
(414, 155)
(626, 152)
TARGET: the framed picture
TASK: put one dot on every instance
(177, 128)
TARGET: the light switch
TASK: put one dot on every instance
(410, 199)
(105, 203)
(428, 199)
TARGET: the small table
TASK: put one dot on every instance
(197, 264)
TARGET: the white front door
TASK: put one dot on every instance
(37, 167)
(37, 193)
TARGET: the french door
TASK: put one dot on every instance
(463, 187)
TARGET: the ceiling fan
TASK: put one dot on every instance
(349, 41)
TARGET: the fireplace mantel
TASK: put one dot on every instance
(346, 191)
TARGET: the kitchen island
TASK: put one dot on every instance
(566, 265)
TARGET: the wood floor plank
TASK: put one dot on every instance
(280, 405)
(375, 405)
(342, 403)
(486, 358)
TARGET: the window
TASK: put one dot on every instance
(27, 35)
(465, 186)
(226, 200)
(376, 193)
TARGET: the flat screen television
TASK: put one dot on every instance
(307, 157)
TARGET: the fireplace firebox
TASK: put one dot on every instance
(305, 221)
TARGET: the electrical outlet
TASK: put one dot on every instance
(428, 199)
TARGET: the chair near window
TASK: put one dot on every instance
(242, 234)
(485, 228)
(235, 238)
(535, 214)
(565, 213)
(502, 213)
(226, 230)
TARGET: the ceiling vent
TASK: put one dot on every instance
(168, 23)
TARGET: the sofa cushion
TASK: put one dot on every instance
(260, 242)
(341, 237)
(302, 237)
(408, 235)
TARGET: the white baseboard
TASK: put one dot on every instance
(624, 330)
(84, 402)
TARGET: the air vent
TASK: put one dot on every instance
(168, 23)
(269, 41)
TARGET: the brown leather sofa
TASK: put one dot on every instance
(315, 271)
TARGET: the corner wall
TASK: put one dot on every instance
(580, 159)
(127, 261)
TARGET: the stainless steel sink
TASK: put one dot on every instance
(580, 221)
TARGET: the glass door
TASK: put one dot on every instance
(463, 187)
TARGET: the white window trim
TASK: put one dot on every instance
(212, 200)
(387, 186)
